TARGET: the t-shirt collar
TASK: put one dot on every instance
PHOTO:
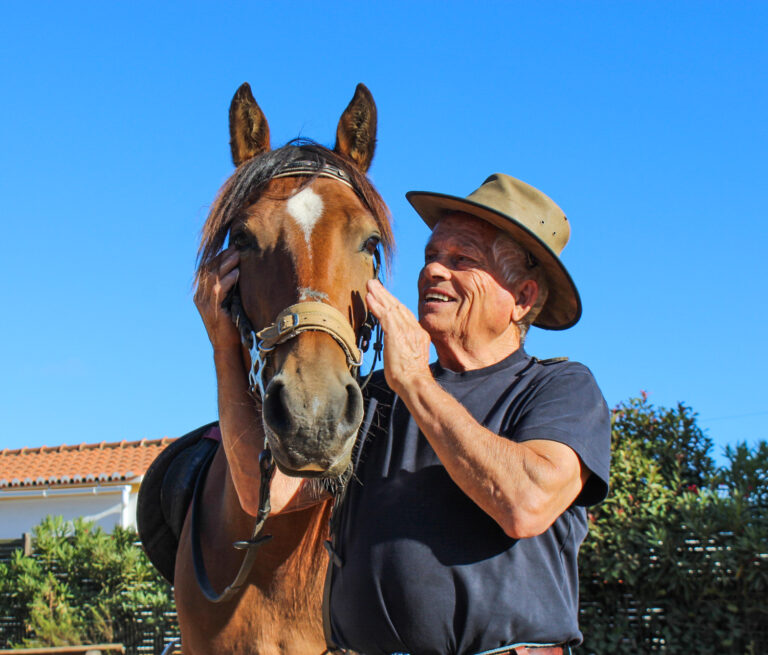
(517, 360)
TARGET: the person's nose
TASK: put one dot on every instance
(435, 270)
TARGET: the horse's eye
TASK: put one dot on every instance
(240, 240)
(371, 244)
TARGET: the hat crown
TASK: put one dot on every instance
(526, 205)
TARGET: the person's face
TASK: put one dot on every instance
(462, 300)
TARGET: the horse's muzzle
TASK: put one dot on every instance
(311, 428)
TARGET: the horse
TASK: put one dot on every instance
(309, 227)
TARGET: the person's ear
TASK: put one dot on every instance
(525, 297)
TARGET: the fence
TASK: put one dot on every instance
(709, 595)
(144, 633)
(613, 619)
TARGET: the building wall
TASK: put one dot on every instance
(106, 505)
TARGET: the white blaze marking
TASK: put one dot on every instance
(306, 207)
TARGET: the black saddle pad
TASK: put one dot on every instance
(165, 494)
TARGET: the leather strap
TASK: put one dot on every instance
(267, 466)
(312, 315)
(311, 169)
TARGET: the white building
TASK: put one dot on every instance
(99, 482)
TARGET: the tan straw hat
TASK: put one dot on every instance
(530, 218)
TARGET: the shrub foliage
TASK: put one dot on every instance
(81, 586)
(677, 556)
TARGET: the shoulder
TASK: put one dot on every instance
(558, 366)
(564, 404)
(563, 387)
(562, 372)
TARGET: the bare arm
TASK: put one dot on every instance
(524, 486)
(239, 415)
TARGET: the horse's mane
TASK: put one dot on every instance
(249, 179)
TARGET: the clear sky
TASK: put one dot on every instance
(645, 121)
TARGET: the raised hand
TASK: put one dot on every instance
(406, 343)
(212, 287)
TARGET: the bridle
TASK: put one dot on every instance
(312, 315)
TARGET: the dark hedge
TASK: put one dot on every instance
(677, 556)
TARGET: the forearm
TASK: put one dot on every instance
(243, 438)
(519, 486)
(240, 423)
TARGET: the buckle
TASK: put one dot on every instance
(288, 323)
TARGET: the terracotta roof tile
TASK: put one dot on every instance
(106, 462)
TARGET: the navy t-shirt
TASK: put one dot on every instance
(423, 570)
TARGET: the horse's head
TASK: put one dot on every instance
(308, 225)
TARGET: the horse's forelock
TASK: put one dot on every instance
(246, 183)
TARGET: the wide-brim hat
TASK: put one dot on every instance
(530, 218)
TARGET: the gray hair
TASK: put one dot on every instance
(512, 263)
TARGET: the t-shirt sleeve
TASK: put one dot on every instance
(569, 408)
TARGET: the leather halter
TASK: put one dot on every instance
(290, 322)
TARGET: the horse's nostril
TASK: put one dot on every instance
(275, 410)
(354, 409)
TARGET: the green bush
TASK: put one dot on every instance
(81, 586)
(677, 556)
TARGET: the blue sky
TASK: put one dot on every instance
(645, 121)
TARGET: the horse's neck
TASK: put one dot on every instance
(279, 609)
(309, 523)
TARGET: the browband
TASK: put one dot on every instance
(305, 167)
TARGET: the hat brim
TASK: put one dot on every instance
(563, 307)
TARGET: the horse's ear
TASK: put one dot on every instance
(356, 133)
(248, 128)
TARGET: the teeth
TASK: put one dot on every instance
(437, 296)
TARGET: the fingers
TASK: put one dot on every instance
(230, 258)
(221, 276)
(392, 314)
(224, 284)
(406, 343)
(372, 299)
(228, 274)
(213, 286)
(380, 301)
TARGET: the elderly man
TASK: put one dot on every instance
(460, 531)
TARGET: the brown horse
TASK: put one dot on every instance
(307, 223)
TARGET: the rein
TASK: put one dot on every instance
(290, 322)
(267, 468)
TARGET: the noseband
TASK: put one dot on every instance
(291, 322)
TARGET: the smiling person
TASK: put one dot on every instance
(460, 530)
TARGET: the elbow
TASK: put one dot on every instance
(249, 502)
(524, 525)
